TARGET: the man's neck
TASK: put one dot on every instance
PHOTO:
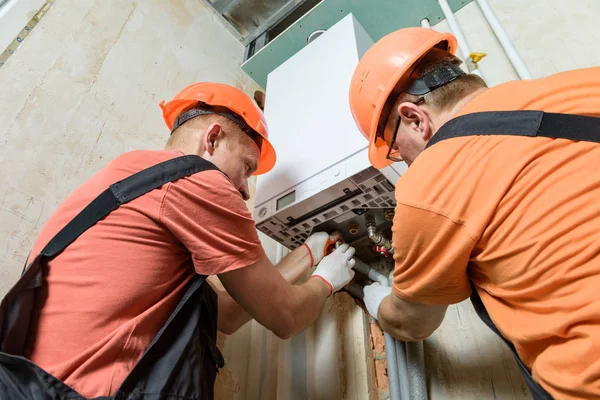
(187, 147)
(183, 150)
(446, 116)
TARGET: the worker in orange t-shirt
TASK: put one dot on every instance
(500, 203)
(114, 300)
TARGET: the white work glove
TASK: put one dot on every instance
(374, 295)
(336, 269)
(318, 243)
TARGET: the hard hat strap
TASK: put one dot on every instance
(435, 79)
(204, 109)
(418, 87)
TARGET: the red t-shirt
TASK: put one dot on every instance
(110, 291)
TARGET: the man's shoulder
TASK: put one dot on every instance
(143, 158)
(135, 161)
(456, 172)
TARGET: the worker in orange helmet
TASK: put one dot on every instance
(500, 203)
(115, 301)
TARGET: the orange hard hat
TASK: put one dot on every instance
(221, 95)
(385, 70)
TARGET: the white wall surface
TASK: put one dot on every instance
(84, 87)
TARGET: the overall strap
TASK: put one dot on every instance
(122, 192)
(521, 123)
(17, 305)
(538, 392)
(528, 124)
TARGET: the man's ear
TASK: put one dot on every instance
(212, 137)
(416, 118)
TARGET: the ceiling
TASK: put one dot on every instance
(259, 21)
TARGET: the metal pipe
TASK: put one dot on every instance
(376, 236)
(392, 363)
(404, 383)
(463, 45)
(425, 23)
(371, 273)
(392, 367)
(355, 290)
(415, 357)
(390, 342)
(403, 369)
(510, 50)
(403, 372)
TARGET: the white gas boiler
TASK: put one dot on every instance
(323, 180)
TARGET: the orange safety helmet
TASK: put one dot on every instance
(221, 95)
(386, 68)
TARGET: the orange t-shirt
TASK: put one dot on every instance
(521, 218)
(111, 290)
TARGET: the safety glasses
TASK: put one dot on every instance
(393, 153)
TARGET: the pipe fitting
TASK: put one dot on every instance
(353, 228)
(389, 214)
(376, 237)
(390, 344)
(372, 274)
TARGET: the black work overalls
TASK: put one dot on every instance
(519, 123)
(182, 360)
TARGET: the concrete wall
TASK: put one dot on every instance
(84, 87)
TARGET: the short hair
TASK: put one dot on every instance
(182, 135)
(448, 95)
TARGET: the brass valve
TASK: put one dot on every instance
(477, 56)
(473, 60)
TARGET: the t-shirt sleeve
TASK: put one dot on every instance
(431, 252)
(208, 215)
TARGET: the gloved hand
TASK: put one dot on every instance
(336, 269)
(374, 295)
(317, 245)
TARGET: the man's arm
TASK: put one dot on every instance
(279, 306)
(409, 321)
(431, 253)
(232, 316)
(209, 217)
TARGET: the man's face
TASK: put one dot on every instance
(237, 156)
(407, 131)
